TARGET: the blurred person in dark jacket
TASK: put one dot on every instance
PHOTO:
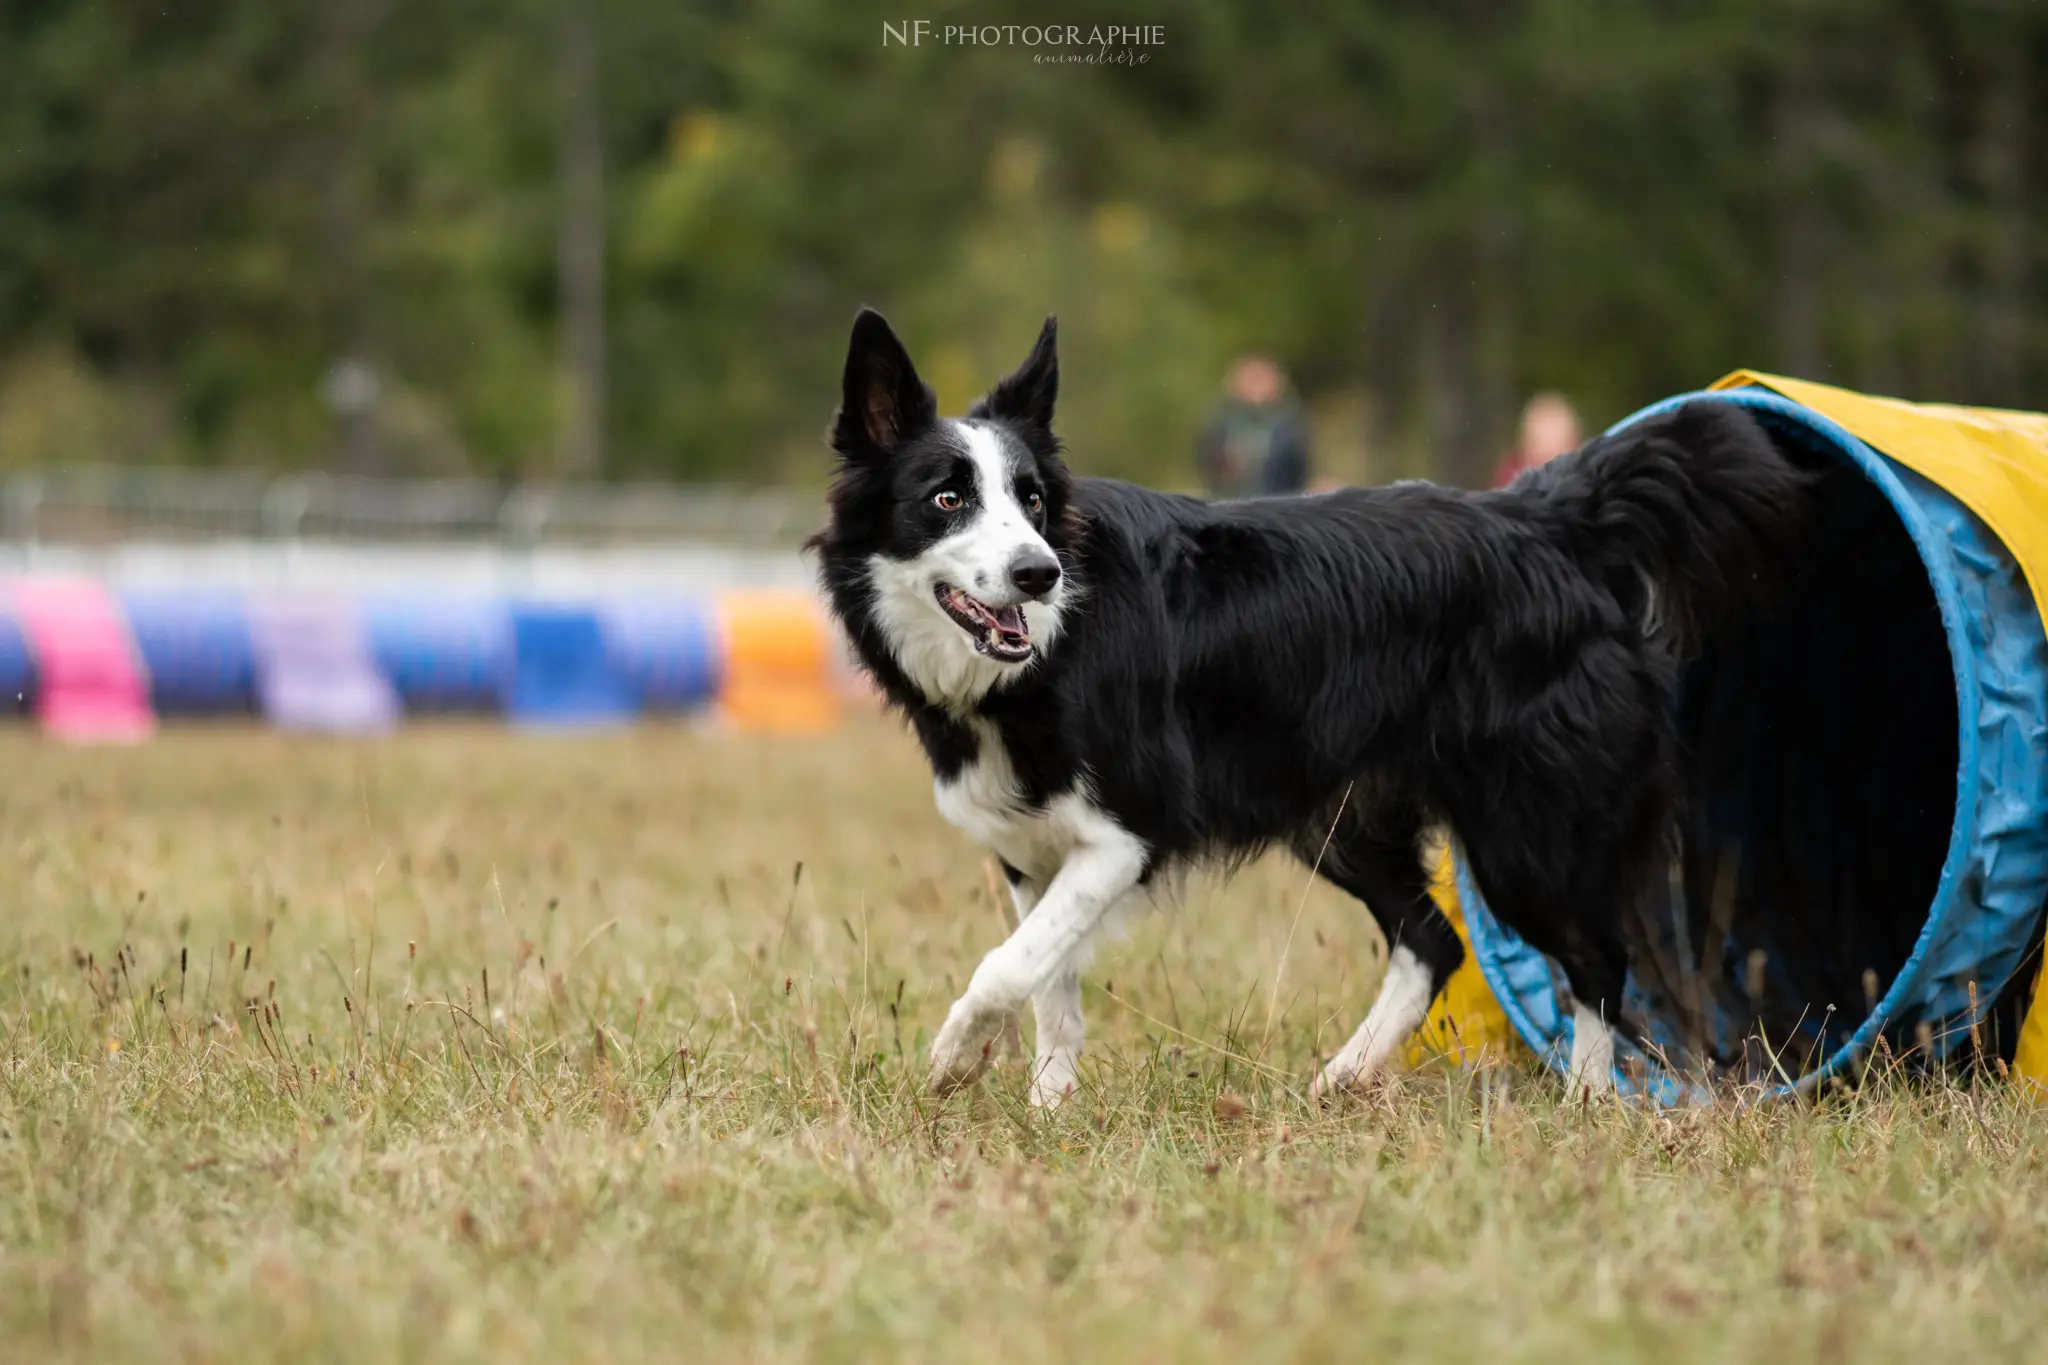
(1549, 429)
(1256, 444)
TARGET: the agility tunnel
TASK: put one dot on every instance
(1864, 859)
(94, 664)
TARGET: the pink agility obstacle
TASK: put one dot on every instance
(90, 681)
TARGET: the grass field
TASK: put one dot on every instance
(468, 1045)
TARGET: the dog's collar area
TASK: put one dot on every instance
(1001, 635)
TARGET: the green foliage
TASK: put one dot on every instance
(1426, 210)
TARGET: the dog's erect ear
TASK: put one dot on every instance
(1027, 397)
(883, 403)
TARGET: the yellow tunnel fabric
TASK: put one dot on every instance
(1995, 463)
(1466, 1024)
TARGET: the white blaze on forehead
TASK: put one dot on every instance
(999, 531)
(992, 472)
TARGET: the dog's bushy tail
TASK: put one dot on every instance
(1692, 517)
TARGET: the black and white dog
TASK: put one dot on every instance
(1113, 683)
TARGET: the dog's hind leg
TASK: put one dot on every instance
(1591, 1071)
(1056, 1006)
(1596, 965)
(1568, 905)
(1384, 868)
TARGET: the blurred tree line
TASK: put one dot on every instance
(536, 237)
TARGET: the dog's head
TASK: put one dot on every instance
(946, 554)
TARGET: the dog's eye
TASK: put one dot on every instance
(946, 500)
(1033, 504)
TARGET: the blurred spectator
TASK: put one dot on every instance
(1257, 443)
(1549, 429)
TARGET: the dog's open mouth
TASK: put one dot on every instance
(1000, 635)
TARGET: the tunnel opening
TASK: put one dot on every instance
(1820, 749)
(1860, 858)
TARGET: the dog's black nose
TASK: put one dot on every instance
(1035, 573)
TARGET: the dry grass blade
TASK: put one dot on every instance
(603, 1086)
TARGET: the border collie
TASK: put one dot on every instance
(1112, 683)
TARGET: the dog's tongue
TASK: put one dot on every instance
(1010, 625)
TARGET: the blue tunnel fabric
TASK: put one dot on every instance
(667, 649)
(197, 648)
(17, 667)
(1994, 877)
(445, 653)
(562, 674)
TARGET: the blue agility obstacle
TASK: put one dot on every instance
(17, 667)
(667, 649)
(443, 652)
(562, 674)
(197, 649)
(1865, 855)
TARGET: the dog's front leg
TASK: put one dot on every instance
(1057, 1009)
(1096, 874)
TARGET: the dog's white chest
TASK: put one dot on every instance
(982, 802)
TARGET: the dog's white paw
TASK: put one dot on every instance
(1343, 1076)
(1053, 1079)
(1348, 1073)
(965, 1046)
(1587, 1084)
(1590, 1076)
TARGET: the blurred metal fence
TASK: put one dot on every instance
(109, 504)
